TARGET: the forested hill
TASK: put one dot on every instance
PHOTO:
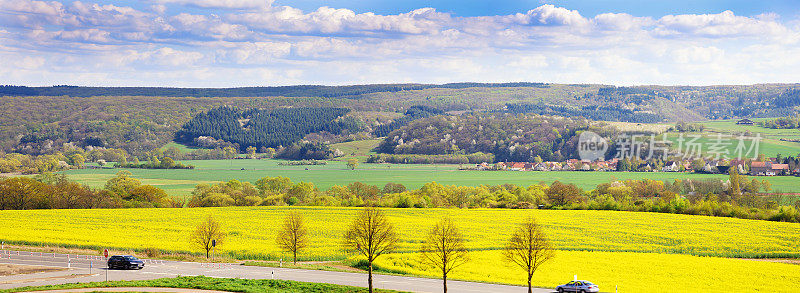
(274, 91)
(509, 137)
(263, 128)
(602, 113)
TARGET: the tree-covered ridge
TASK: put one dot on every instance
(509, 137)
(264, 128)
(272, 91)
(602, 113)
(413, 113)
(139, 124)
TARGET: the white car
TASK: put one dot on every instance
(578, 286)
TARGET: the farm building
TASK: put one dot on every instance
(768, 169)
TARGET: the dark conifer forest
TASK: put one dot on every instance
(264, 128)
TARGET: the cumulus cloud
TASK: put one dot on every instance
(234, 4)
(326, 20)
(549, 14)
(336, 45)
(621, 21)
(724, 24)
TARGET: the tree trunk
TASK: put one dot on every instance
(208, 253)
(369, 279)
(530, 289)
(295, 257)
(444, 282)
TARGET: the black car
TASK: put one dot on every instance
(125, 262)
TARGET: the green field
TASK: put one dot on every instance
(181, 147)
(636, 251)
(730, 126)
(206, 283)
(770, 145)
(359, 149)
(181, 182)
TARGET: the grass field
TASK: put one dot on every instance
(730, 126)
(770, 144)
(181, 147)
(767, 146)
(208, 283)
(182, 182)
(359, 149)
(632, 250)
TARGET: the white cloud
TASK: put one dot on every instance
(549, 14)
(724, 24)
(326, 20)
(329, 45)
(158, 8)
(234, 4)
(696, 54)
(620, 21)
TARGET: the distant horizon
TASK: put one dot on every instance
(399, 83)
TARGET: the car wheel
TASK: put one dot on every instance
(583, 291)
(560, 290)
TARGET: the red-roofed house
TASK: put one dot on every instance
(768, 169)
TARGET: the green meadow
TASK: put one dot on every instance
(770, 144)
(182, 182)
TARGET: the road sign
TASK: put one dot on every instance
(213, 242)
(105, 252)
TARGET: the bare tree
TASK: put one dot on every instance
(208, 234)
(444, 248)
(371, 235)
(294, 235)
(528, 248)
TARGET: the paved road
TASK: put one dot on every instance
(79, 271)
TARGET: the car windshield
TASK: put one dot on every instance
(588, 283)
(131, 258)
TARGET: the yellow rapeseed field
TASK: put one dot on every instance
(253, 229)
(635, 251)
(625, 271)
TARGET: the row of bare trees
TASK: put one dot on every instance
(371, 235)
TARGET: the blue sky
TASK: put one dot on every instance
(586, 7)
(222, 43)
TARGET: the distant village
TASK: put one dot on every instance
(707, 166)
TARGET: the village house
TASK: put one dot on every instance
(745, 121)
(768, 169)
(520, 166)
(483, 166)
(671, 167)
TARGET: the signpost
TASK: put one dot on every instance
(105, 253)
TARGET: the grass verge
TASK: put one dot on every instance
(208, 283)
